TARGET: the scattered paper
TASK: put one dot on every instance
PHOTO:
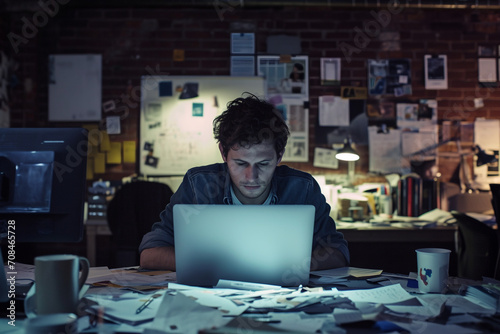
(124, 309)
(384, 295)
(434, 328)
(347, 271)
(226, 306)
(181, 314)
(333, 111)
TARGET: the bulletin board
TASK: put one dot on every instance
(176, 131)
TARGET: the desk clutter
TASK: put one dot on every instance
(335, 301)
(406, 198)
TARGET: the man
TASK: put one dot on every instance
(252, 136)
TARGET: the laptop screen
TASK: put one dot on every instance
(268, 244)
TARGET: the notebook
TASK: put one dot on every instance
(268, 244)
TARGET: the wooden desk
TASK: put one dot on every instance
(315, 309)
(398, 234)
(93, 228)
(393, 248)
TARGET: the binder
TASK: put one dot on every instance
(410, 196)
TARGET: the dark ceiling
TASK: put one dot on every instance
(29, 5)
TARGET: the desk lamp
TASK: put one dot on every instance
(347, 153)
(483, 158)
(466, 182)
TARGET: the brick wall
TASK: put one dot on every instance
(136, 41)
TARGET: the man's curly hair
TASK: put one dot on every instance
(249, 121)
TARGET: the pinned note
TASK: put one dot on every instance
(114, 156)
(129, 151)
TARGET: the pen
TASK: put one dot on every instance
(146, 303)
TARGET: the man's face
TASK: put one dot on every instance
(251, 170)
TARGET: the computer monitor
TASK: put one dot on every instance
(43, 183)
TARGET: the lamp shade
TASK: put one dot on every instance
(347, 153)
(483, 158)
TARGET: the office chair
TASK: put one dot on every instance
(477, 248)
(495, 202)
(135, 207)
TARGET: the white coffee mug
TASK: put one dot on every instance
(432, 273)
(58, 282)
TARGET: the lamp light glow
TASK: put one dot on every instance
(347, 153)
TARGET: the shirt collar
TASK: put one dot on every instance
(237, 201)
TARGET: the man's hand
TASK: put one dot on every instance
(162, 258)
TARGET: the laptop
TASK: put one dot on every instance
(267, 244)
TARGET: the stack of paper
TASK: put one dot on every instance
(488, 294)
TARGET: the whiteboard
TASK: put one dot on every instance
(177, 112)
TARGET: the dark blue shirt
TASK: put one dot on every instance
(212, 185)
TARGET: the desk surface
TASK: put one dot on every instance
(307, 310)
(393, 247)
(361, 237)
(367, 233)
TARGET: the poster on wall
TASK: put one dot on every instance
(330, 71)
(381, 112)
(287, 88)
(296, 116)
(242, 66)
(285, 76)
(399, 77)
(389, 77)
(377, 76)
(353, 123)
(436, 72)
(75, 91)
(487, 65)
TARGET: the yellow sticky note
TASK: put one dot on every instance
(178, 55)
(99, 163)
(285, 58)
(105, 145)
(90, 168)
(114, 156)
(129, 151)
(90, 127)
